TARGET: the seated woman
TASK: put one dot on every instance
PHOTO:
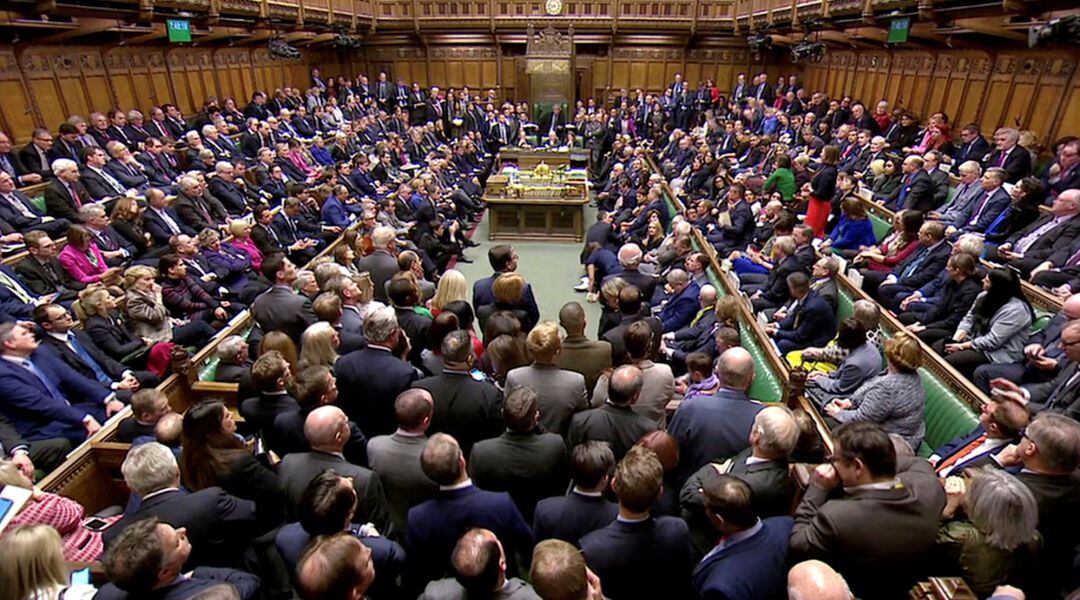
(186, 299)
(895, 399)
(886, 184)
(988, 533)
(82, 258)
(103, 324)
(126, 219)
(34, 565)
(61, 514)
(940, 320)
(826, 358)
(862, 362)
(760, 261)
(853, 232)
(214, 456)
(896, 246)
(996, 328)
(148, 318)
(241, 232)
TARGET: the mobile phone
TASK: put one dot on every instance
(81, 577)
(96, 524)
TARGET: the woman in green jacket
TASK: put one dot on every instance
(782, 179)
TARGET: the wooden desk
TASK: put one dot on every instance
(538, 219)
(527, 159)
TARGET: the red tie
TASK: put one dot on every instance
(960, 454)
(75, 196)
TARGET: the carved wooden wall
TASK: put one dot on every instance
(1034, 90)
(43, 86)
(445, 66)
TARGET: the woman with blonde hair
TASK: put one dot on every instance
(281, 342)
(148, 318)
(241, 232)
(508, 289)
(34, 569)
(452, 287)
(318, 346)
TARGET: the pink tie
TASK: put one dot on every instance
(1001, 159)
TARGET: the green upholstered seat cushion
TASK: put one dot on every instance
(38, 201)
(881, 227)
(845, 306)
(947, 417)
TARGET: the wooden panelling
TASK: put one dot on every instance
(1029, 89)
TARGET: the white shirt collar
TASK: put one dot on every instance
(756, 460)
(459, 486)
(582, 492)
(409, 434)
(159, 492)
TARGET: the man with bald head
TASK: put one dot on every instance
(1031, 246)
(396, 457)
(615, 422)
(579, 353)
(479, 564)
(815, 580)
(719, 425)
(697, 334)
(327, 430)
(436, 525)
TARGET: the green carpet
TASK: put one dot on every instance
(552, 268)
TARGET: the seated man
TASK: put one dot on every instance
(682, 302)
(811, 323)
(42, 271)
(149, 556)
(147, 408)
(42, 397)
(880, 531)
(772, 291)
(1001, 421)
(479, 563)
(926, 263)
(750, 560)
(629, 553)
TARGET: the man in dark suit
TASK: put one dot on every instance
(147, 559)
(372, 377)
(880, 531)
(917, 270)
(772, 291)
(99, 182)
(458, 506)
(750, 560)
(812, 323)
(1048, 456)
(35, 155)
(1000, 422)
(633, 309)
(503, 259)
(270, 377)
(524, 461)
(763, 466)
(192, 208)
(42, 397)
(78, 352)
(1064, 173)
(19, 214)
(615, 422)
(161, 221)
(1061, 394)
(916, 187)
(735, 236)
(27, 456)
(159, 172)
(327, 430)
(630, 257)
(42, 272)
(1031, 246)
(381, 264)
(65, 194)
(553, 122)
(682, 304)
(628, 554)
(220, 526)
(465, 408)
(988, 207)
(584, 509)
(281, 308)
(1009, 155)
(719, 425)
(579, 353)
(973, 146)
(938, 178)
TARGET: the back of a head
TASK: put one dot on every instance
(590, 462)
(326, 505)
(150, 467)
(730, 499)
(520, 409)
(135, 557)
(1057, 438)
(543, 341)
(625, 384)
(638, 478)
(33, 560)
(336, 567)
(441, 459)
(559, 571)
(629, 300)
(411, 407)
(476, 561)
(572, 318)
(736, 368)
(638, 340)
(500, 256)
(815, 580)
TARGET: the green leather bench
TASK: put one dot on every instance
(881, 227)
(766, 386)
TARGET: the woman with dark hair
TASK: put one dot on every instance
(1027, 195)
(504, 354)
(886, 186)
(823, 185)
(994, 330)
(853, 232)
(896, 246)
(126, 219)
(862, 362)
(667, 450)
(431, 356)
(214, 456)
(465, 316)
(82, 258)
(782, 179)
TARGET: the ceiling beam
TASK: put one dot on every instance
(994, 26)
(318, 39)
(84, 27)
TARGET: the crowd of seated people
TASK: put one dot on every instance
(402, 437)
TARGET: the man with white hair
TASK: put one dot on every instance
(125, 168)
(1031, 246)
(382, 263)
(682, 304)
(1009, 155)
(65, 194)
(211, 139)
(219, 525)
(224, 187)
(957, 211)
(194, 209)
(327, 430)
(630, 257)
(763, 466)
(815, 580)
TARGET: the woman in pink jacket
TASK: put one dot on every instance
(82, 259)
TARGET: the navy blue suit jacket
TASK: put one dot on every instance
(812, 323)
(436, 525)
(158, 230)
(34, 412)
(369, 380)
(387, 556)
(571, 517)
(204, 577)
(482, 296)
(958, 444)
(680, 310)
(11, 307)
(753, 569)
(647, 559)
(712, 427)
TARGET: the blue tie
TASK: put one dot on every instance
(915, 262)
(45, 381)
(101, 375)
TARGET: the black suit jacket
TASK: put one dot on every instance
(1017, 164)
(975, 151)
(1057, 497)
(369, 380)
(465, 408)
(281, 309)
(930, 267)
(529, 466)
(159, 231)
(31, 161)
(920, 192)
(111, 337)
(571, 517)
(43, 282)
(58, 202)
(220, 526)
(16, 218)
(97, 186)
(620, 427)
(615, 336)
(628, 556)
(297, 471)
(75, 362)
(1060, 236)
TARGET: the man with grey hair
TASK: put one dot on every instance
(234, 363)
(65, 194)
(114, 248)
(1009, 155)
(225, 188)
(614, 422)
(1031, 246)
(219, 525)
(382, 263)
(815, 580)
(525, 461)
(306, 284)
(630, 257)
(682, 302)
(193, 208)
(957, 211)
(718, 425)
(1049, 454)
(370, 378)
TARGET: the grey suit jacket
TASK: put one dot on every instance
(298, 469)
(585, 356)
(381, 266)
(559, 393)
(861, 364)
(657, 389)
(1004, 341)
(283, 310)
(530, 466)
(396, 460)
(450, 589)
(876, 539)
